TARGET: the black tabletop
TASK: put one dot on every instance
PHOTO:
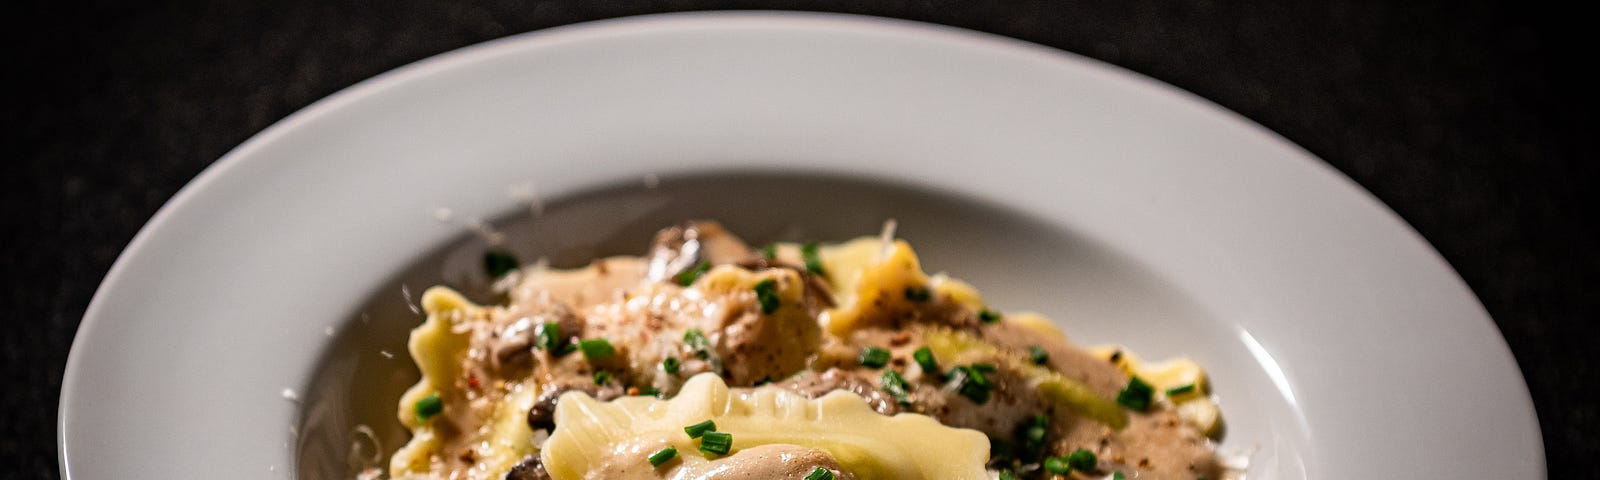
(1469, 119)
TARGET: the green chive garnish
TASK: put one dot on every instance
(697, 340)
(694, 338)
(1118, 476)
(1057, 466)
(767, 295)
(971, 384)
(596, 348)
(549, 335)
(550, 339)
(1175, 391)
(924, 358)
(1082, 460)
(1038, 355)
(985, 367)
(988, 316)
(918, 294)
(1034, 435)
(716, 443)
(808, 252)
(497, 263)
(648, 392)
(820, 474)
(602, 377)
(428, 407)
(670, 365)
(895, 384)
(663, 456)
(1007, 475)
(770, 252)
(1136, 396)
(687, 277)
(874, 357)
(698, 429)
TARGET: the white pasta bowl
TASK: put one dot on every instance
(250, 326)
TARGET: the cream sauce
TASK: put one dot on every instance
(764, 462)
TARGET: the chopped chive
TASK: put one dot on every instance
(820, 474)
(663, 456)
(497, 263)
(985, 367)
(670, 365)
(918, 294)
(874, 357)
(1034, 435)
(596, 348)
(602, 377)
(971, 384)
(1082, 460)
(1038, 355)
(428, 407)
(694, 338)
(808, 252)
(1175, 391)
(1057, 466)
(716, 443)
(550, 339)
(770, 252)
(1007, 475)
(687, 277)
(814, 266)
(698, 429)
(924, 358)
(895, 384)
(988, 316)
(767, 295)
(1118, 476)
(648, 392)
(1136, 396)
(549, 335)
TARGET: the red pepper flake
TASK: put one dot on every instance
(472, 381)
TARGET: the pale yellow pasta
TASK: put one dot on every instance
(510, 439)
(1193, 406)
(865, 443)
(438, 347)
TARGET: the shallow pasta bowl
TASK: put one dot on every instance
(248, 319)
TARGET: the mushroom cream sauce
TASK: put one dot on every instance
(707, 358)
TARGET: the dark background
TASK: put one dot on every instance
(1470, 119)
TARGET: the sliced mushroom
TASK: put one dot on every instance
(530, 468)
(679, 248)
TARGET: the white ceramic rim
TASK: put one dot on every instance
(1379, 296)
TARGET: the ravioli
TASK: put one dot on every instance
(843, 361)
(591, 433)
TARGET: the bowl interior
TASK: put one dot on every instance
(1019, 262)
